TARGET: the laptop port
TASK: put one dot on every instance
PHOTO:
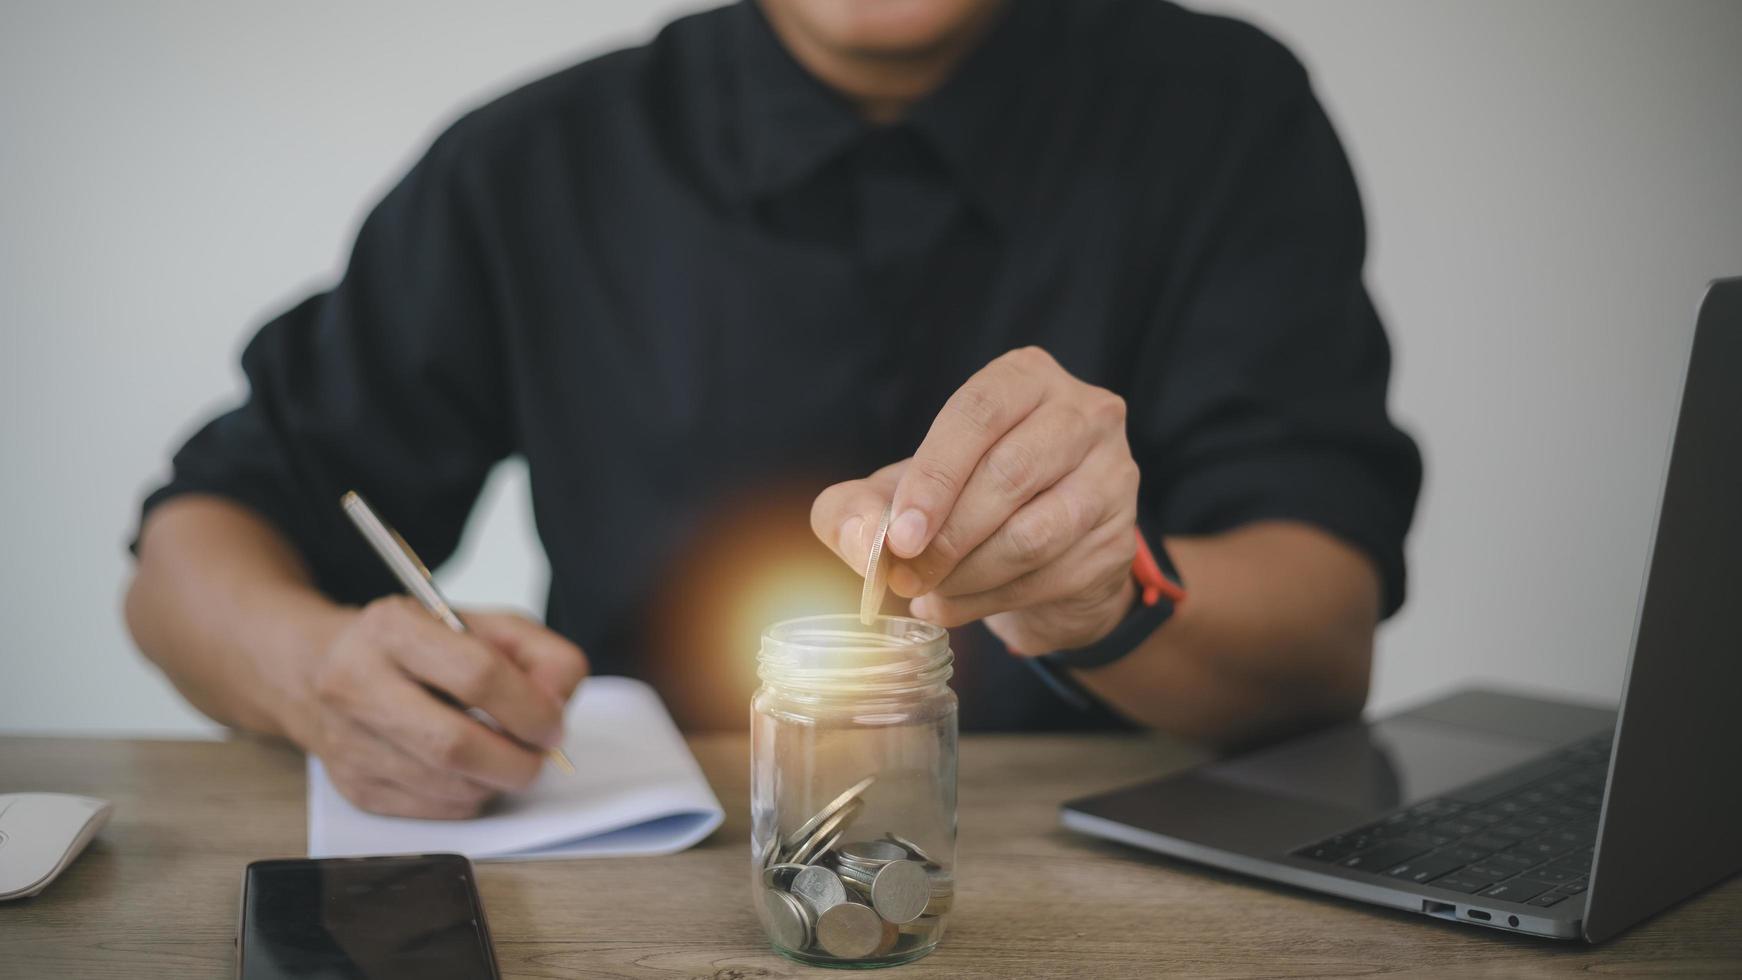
(1479, 915)
(1444, 910)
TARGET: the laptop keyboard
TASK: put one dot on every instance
(1523, 836)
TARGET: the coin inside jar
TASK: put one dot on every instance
(871, 853)
(850, 931)
(901, 891)
(835, 806)
(789, 921)
(911, 848)
(780, 875)
(827, 835)
(819, 887)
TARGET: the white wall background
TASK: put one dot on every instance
(1549, 184)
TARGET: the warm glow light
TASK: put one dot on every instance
(802, 585)
(751, 565)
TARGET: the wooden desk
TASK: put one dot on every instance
(156, 894)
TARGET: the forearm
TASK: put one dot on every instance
(225, 607)
(1277, 634)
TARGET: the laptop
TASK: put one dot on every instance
(1518, 813)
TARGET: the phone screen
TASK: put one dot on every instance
(379, 918)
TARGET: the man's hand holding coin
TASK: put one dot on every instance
(1018, 508)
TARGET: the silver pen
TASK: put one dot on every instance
(415, 576)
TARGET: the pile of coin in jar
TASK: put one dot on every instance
(852, 901)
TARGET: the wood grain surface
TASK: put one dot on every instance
(156, 895)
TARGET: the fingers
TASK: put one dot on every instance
(389, 799)
(464, 667)
(1033, 537)
(1043, 448)
(354, 749)
(555, 665)
(1091, 573)
(442, 737)
(844, 516)
(990, 404)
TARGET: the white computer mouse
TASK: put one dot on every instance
(40, 834)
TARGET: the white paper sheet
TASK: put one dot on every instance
(637, 790)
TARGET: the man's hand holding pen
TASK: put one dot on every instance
(393, 746)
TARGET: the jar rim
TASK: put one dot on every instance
(845, 632)
(840, 654)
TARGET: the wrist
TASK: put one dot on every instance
(287, 659)
(1145, 605)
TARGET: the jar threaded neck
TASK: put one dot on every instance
(838, 658)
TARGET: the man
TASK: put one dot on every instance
(1044, 276)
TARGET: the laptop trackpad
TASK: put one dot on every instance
(1379, 766)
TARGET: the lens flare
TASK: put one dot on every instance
(751, 564)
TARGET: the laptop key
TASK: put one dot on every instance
(1487, 874)
(1458, 883)
(1547, 899)
(1387, 854)
(1427, 867)
(1517, 890)
(1543, 848)
(1324, 852)
(1512, 859)
(1489, 842)
(1556, 875)
(1573, 887)
(1578, 863)
(1574, 837)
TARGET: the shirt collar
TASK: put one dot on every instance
(975, 119)
(793, 124)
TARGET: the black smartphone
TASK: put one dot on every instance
(369, 918)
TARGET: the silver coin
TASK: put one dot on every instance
(876, 574)
(820, 888)
(850, 931)
(790, 923)
(912, 848)
(863, 876)
(809, 827)
(857, 890)
(901, 891)
(872, 853)
(770, 853)
(780, 875)
(825, 837)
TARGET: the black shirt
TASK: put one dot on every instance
(691, 287)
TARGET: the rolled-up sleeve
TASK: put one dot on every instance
(1262, 392)
(390, 384)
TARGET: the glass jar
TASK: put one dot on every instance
(853, 789)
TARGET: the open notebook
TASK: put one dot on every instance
(637, 790)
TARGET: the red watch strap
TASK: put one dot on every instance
(1151, 581)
